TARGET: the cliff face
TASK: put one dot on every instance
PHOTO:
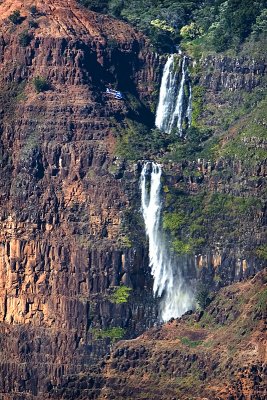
(63, 252)
(216, 354)
(219, 192)
(69, 208)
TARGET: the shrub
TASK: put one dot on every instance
(162, 25)
(116, 7)
(33, 24)
(25, 38)
(260, 25)
(191, 31)
(202, 296)
(262, 301)
(181, 247)
(191, 343)
(173, 221)
(121, 295)
(262, 252)
(33, 10)
(95, 5)
(41, 84)
(15, 17)
(114, 333)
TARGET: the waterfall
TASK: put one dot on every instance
(178, 111)
(170, 283)
(170, 111)
(167, 96)
(189, 107)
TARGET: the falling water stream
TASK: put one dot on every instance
(177, 115)
(169, 273)
(167, 96)
(170, 111)
(189, 107)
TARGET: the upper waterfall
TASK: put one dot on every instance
(167, 96)
(171, 281)
(173, 106)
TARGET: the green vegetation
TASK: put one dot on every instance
(33, 10)
(261, 304)
(197, 103)
(25, 38)
(260, 26)
(10, 95)
(262, 252)
(33, 24)
(31, 144)
(120, 295)
(193, 146)
(191, 343)
(41, 84)
(188, 220)
(115, 333)
(131, 226)
(125, 242)
(203, 296)
(208, 321)
(188, 382)
(15, 17)
(175, 220)
(249, 132)
(137, 141)
(211, 25)
(200, 28)
(191, 31)
(180, 247)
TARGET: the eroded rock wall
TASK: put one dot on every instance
(62, 248)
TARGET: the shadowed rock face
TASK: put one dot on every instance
(61, 207)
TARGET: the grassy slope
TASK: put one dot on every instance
(199, 356)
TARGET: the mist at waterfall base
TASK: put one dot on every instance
(174, 108)
(171, 281)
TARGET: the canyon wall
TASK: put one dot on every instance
(71, 230)
(63, 249)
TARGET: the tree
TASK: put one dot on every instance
(191, 31)
(202, 296)
(41, 84)
(15, 17)
(162, 25)
(25, 38)
(260, 25)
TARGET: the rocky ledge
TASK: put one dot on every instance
(218, 353)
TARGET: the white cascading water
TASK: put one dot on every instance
(170, 110)
(178, 110)
(176, 294)
(189, 107)
(167, 96)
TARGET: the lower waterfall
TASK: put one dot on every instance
(169, 272)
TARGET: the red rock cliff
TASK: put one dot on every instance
(60, 206)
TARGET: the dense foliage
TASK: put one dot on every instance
(190, 219)
(15, 17)
(121, 295)
(41, 84)
(221, 24)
